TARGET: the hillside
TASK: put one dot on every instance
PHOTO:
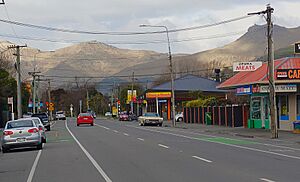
(98, 59)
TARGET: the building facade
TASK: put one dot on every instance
(255, 85)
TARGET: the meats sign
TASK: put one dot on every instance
(246, 66)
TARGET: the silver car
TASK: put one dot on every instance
(41, 127)
(21, 133)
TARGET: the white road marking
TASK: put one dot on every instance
(141, 139)
(126, 134)
(103, 127)
(164, 146)
(29, 179)
(213, 136)
(267, 180)
(115, 131)
(94, 162)
(231, 145)
(200, 158)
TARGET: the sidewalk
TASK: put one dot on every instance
(287, 136)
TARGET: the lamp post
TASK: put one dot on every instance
(171, 70)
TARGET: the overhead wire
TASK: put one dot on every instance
(119, 33)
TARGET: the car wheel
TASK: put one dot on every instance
(77, 124)
(5, 149)
(48, 128)
(160, 124)
(39, 146)
(44, 140)
(180, 119)
(92, 124)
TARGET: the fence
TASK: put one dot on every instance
(231, 116)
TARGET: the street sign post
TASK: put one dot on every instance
(10, 100)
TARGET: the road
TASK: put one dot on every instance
(123, 151)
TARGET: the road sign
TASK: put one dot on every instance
(10, 100)
(51, 108)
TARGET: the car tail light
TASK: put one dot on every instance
(33, 130)
(41, 128)
(8, 133)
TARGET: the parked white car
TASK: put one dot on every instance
(179, 117)
(60, 115)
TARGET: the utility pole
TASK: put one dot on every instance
(132, 83)
(19, 82)
(33, 74)
(272, 94)
(49, 97)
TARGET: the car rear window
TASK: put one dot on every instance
(19, 124)
(151, 114)
(40, 115)
(85, 114)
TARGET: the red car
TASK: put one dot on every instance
(123, 116)
(85, 118)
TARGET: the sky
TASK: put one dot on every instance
(127, 15)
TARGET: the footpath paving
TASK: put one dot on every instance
(285, 136)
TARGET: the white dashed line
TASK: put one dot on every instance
(103, 127)
(141, 139)
(164, 146)
(115, 131)
(126, 134)
(94, 162)
(227, 144)
(205, 160)
(267, 180)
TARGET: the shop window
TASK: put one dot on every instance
(298, 107)
(284, 107)
(256, 108)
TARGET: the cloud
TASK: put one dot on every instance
(126, 15)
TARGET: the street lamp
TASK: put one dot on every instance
(171, 69)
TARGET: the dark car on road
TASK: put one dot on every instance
(44, 118)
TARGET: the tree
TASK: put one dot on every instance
(98, 103)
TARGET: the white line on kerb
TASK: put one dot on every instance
(102, 127)
(164, 146)
(126, 134)
(97, 166)
(205, 160)
(267, 180)
(141, 139)
(29, 179)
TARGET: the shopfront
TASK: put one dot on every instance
(287, 89)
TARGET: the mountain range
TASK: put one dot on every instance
(96, 59)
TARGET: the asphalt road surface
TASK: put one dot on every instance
(126, 152)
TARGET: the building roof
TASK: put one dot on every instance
(260, 76)
(190, 83)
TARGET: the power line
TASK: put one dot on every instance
(125, 42)
(119, 33)
(125, 76)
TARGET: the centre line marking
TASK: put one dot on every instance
(205, 160)
(125, 134)
(267, 180)
(164, 146)
(103, 127)
(231, 145)
(141, 139)
(94, 162)
(33, 168)
(116, 131)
